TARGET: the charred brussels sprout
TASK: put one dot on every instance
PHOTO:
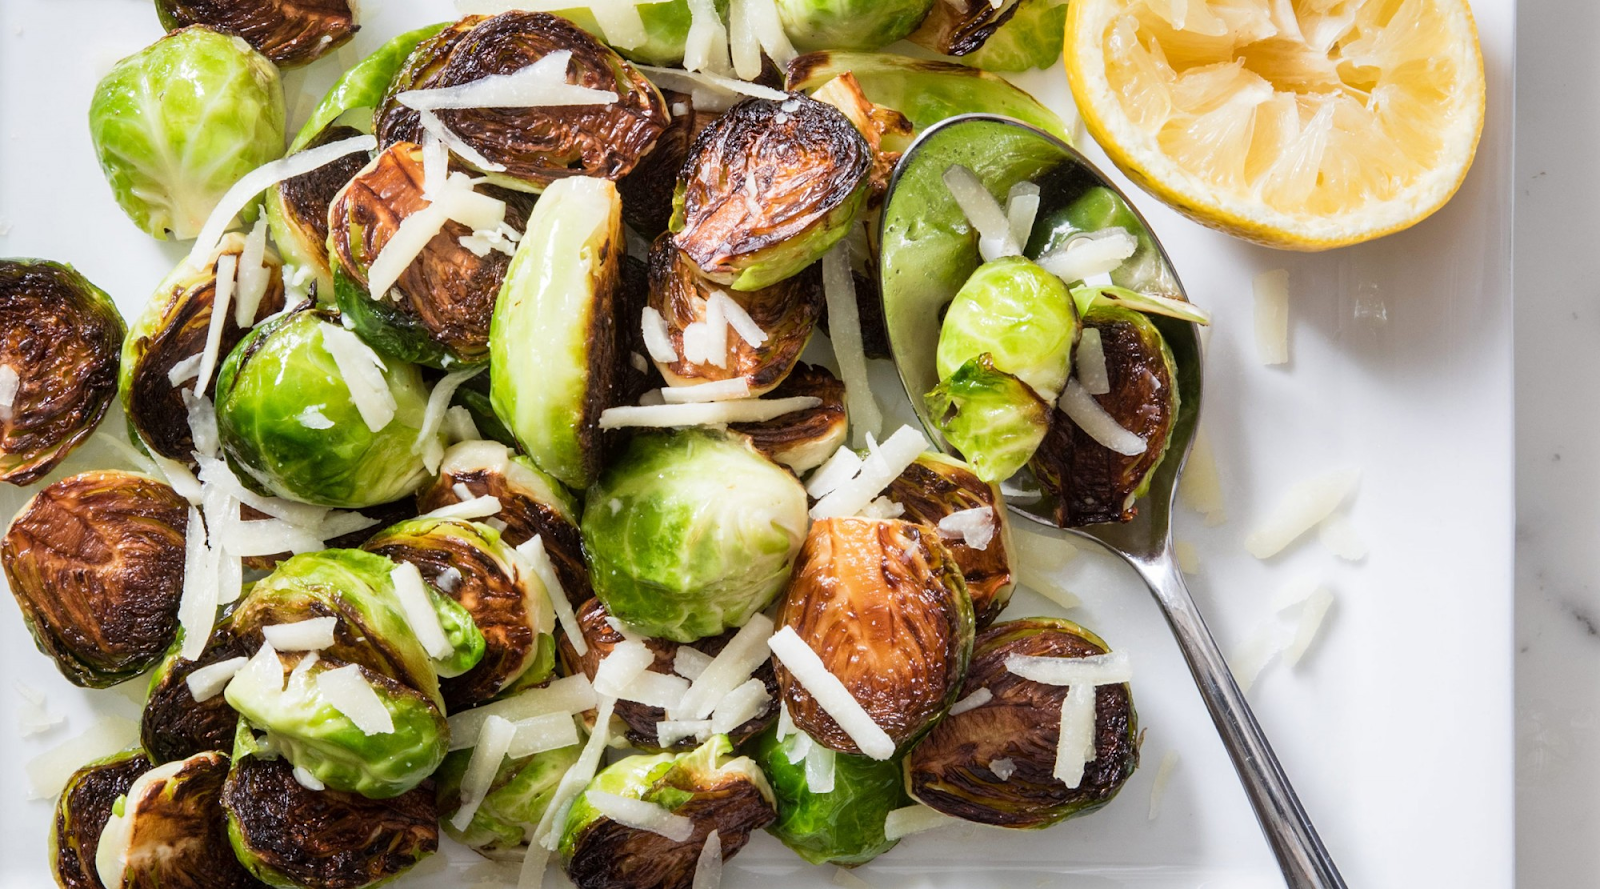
(951, 769)
(438, 311)
(297, 209)
(95, 562)
(532, 146)
(560, 293)
(786, 313)
(1091, 482)
(936, 486)
(59, 341)
(768, 188)
(850, 24)
(841, 826)
(961, 27)
(691, 532)
(1022, 316)
(293, 425)
(289, 836)
(289, 32)
(168, 832)
(518, 796)
(803, 440)
(855, 578)
(172, 330)
(647, 190)
(176, 125)
(472, 565)
(85, 805)
(994, 419)
(714, 792)
(174, 725)
(888, 132)
(1031, 38)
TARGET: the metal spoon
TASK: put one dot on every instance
(927, 254)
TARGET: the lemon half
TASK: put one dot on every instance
(1304, 124)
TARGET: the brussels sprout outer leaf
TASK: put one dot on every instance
(81, 814)
(666, 26)
(850, 24)
(61, 336)
(936, 486)
(521, 791)
(1022, 316)
(1031, 38)
(949, 769)
(994, 419)
(843, 826)
(961, 27)
(362, 86)
(289, 32)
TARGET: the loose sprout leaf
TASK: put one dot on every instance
(312, 634)
(1304, 505)
(1088, 415)
(209, 681)
(700, 393)
(1086, 256)
(539, 734)
(721, 413)
(881, 467)
(732, 666)
(487, 754)
(844, 328)
(1090, 363)
(347, 691)
(1272, 316)
(568, 695)
(641, 815)
(972, 702)
(708, 867)
(419, 611)
(914, 819)
(983, 212)
(830, 694)
(1158, 787)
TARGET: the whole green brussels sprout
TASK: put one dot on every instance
(851, 24)
(82, 810)
(291, 426)
(995, 420)
(175, 126)
(167, 831)
(691, 532)
(518, 796)
(842, 826)
(1022, 316)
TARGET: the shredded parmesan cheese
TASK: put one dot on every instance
(305, 779)
(347, 691)
(48, 772)
(740, 706)
(743, 654)
(1088, 415)
(313, 418)
(718, 390)
(1090, 363)
(840, 468)
(227, 268)
(976, 526)
(475, 508)
(312, 634)
(1305, 505)
(819, 768)
(1003, 768)
(721, 413)
(428, 442)
(33, 717)
(548, 833)
(362, 371)
(690, 662)
(541, 84)
(552, 731)
(906, 821)
(1272, 316)
(1200, 485)
(737, 318)
(180, 373)
(656, 339)
(566, 696)
(618, 670)
(490, 751)
(1022, 208)
(995, 238)
(848, 880)
(537, 561)
(1340, 536)
(708, 867)
(972, 702)
(1188, 557)
(671, 731)
(831, 695)
(254, 277)
(1101, 669)
(209, 681)
(197, 607)
(640, 815)
(844, 328)
(756, 28)
(419, 611)
(1089, 255)
(1158, 787)
(882, 466)
(1076, 748)
(10, 383)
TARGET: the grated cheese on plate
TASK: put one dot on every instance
(831, 694)
(718, 413)
(844, 328)
(347, 691)
(640, 815)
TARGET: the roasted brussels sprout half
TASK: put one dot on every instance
(855, 577)
(1031, 38)
(176, 125)
(850, 24)
(1091, 482)
(995, 420)
(960, 27)
(785, 312)
(888, 132)
(95, 562)
(289, 836)
(714, 792)
(438, 311)
(935, 487)
(297, 209)
(174, 725)
(647, 190)
(83, 809)
(292, 424)
(952, 769)
(173, 329)
(692, 532)
(472, 565)
(768, 188)
(59, 341)
(842, 826)
(289, 32)
(531, 147)
(518, 796)
(1022, 316)
(355, 96)
(168, 831)
(803, 440)
(560, 293)
(666, 29)
(601, 637)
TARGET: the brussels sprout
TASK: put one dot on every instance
(297, 209)
(95, 562)
(559, 293)
(361, 88)
(174, 725)
(59, 340)
(961, 27)
(635, 374)
(855, 577)
(289, 836)
(691, 532)
(730, 796)
(994, 419)
(289, 32)
(472, 565)
(173, 329)
(936, 486)
(850, 24)
(85, 805)
(786, 312)
(1031, 38)
(843, 826)
(1091, 482)
(666, 28)
(438, 311)
(532, 504)
(768, 188)
(601, 637)
(888, 132)
(803, 440)
(282, 376)
(647, 190)
(474, 396)
(168, 831)
(176, 125)
(924, 90)
(1099, 209)
(518, 796)
(1022, 316)
(951, 769)
(532, 146)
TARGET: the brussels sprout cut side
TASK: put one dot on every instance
(289, 32)
(84, 807)
(803, 440)
(175, 725)
(297, 209)
(59, 340)
(842, 826)
(936, 487)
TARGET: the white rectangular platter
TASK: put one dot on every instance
(1396, 726)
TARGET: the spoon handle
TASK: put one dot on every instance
(1305, 861)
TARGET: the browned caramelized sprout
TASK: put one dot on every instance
(888, 132)
(95, 562)
(297, 209)
(768, 188)
(289, 32)
(175, 725)
(59, 342)
(952, 769)
(82, 811)
(936, 486)
(785, 312)
(803, 440)
(883, 603)
(961, 27)
(647, 191)
(534, 146)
